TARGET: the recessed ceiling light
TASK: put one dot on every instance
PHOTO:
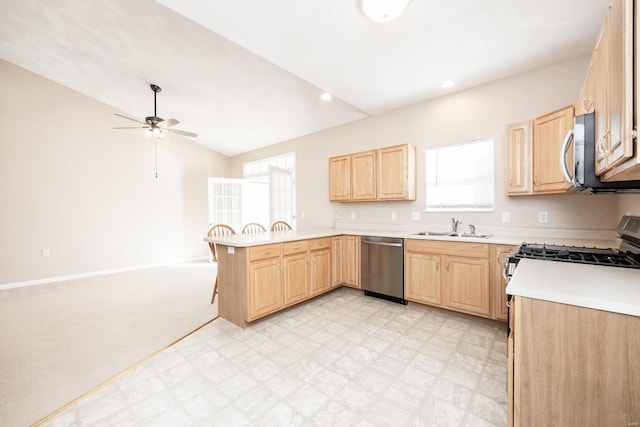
(326, 97)
(447, 84)
(383, 10)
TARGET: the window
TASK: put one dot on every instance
(225, 202)
(265, 194)
(460, 177)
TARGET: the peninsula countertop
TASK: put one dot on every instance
(614, 289)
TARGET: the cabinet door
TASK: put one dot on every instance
(265, 288)
(396, 173)
(351, 261)
(467, 285)
(296, 278)
(339, 179)
(548, 133)
(498, 296)
(422, 278)
(616, 146)
(337, 261)
(363, 176)
(519, 162)
(320, 271)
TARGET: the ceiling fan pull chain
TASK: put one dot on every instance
(156, 139)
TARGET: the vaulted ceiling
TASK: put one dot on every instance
(244, 74)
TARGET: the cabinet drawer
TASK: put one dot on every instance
(295, 247)
(466, 249)
(265, 251)
(320, 243)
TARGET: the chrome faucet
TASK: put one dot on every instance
(472, 229)
(454, 225)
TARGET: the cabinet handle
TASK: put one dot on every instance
(508, 304)
(438, 266)
(604, 153)
(447, 265)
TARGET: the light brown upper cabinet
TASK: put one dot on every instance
(363, 175)
(340, 179)
(397, 165)
(548, 133)
(613, 58)
(519, 162)
(608, 90)
(385, 174)
(533, 154)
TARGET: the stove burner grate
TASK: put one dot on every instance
(595, 256)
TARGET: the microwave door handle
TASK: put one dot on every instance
(563, 156)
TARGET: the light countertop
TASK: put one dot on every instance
(247, 240)
(614, 289)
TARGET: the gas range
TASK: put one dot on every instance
(627, 255)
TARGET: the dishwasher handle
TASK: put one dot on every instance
(373, 243)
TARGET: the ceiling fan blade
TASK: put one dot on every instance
(131, 127)
(129, 118)
(182, 132)
(168, 123)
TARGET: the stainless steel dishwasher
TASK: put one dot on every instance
(382, 268)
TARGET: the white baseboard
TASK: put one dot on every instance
(91, 274)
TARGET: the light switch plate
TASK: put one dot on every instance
(506, 216)
(231, 250)
(394, 216)
(415, 216)
(353, 216)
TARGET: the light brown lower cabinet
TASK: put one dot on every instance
(573, 366)
(453, 275)
(265, 281)
(320, 269)
(423, 278)
(346, 261)
(295, 265)
(260, 280)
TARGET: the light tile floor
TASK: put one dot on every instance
(342, 359)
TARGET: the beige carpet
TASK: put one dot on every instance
(61, 340)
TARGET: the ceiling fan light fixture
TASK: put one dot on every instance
(148, 133)
(383, 10)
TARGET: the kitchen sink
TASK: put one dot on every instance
(450, 234)
(433, 233)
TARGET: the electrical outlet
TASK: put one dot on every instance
(394, 216)
(543, 217)
(506, 216)
(353, 216)
(415, 216)
(45, 252)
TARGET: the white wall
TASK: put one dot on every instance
(70, 183)
(472, 114)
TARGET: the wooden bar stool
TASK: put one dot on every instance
(215, 231)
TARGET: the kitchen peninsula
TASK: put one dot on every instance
(261, 274)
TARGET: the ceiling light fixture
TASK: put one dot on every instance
(326, 97)
(447, 84)
(383, 10)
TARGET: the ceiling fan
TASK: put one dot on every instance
(154, 125)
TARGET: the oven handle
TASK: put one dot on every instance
(505, 267)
